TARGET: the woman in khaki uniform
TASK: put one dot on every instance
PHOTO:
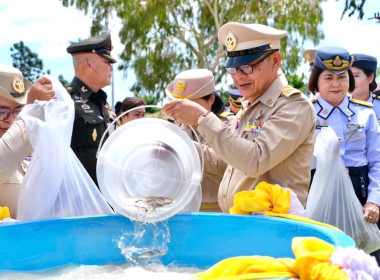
(272, 137)
(14, 143)
(198, 85)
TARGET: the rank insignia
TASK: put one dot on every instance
(83, 89)
(94, 134)
(252, 126)
(86, 106)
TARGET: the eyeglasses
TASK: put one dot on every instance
(246, 68)
(6, 113)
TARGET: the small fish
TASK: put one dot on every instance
(151, 203)
(150, 254)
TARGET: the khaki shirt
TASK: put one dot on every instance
(9, 191)
(210, 182)
(14, 147)
(278, 152)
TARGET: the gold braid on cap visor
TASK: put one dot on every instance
(180, 96)
(336, 63)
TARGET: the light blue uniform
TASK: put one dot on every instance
(375, 100)
(359, 132)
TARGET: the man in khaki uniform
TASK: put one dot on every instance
(198, 85)
(272, 137)
(14, 142)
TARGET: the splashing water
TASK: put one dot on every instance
(142, 249)
(146, 243)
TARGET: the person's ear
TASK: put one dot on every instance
(276, 59)
(87, 63)
(212, 98)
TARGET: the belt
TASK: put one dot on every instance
(357, 171)
(207, 206)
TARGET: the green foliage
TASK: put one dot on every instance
(27, 61)
(162, 38)
(63, 81)
(297, 82)
(150, 100)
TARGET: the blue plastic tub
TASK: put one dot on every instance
(196, 240)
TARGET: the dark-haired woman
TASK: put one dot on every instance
(354, 123)
(127, 104)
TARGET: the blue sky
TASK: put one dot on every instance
(47, 28)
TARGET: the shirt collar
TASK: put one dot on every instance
(325, 109)
(271, 94)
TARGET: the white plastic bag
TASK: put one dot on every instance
(56, 184)
(332, 198)
(296, 207)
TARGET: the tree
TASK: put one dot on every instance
(63, 81)
(352, 6)
(27, 61)
(164, 37)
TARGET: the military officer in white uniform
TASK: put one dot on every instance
(272, 137)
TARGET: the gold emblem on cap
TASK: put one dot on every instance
(230, 42)
(83, 89)
(18, 85)
(308, 58)
(271, 46)
(181, 86)
(337, 62)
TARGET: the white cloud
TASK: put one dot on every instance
(47, 27)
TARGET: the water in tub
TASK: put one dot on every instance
(142, 261)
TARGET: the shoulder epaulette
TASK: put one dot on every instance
(376, 95)
(360, 102)
(226, 114)
(289, 91)
(314, 100)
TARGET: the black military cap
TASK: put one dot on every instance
(100, 45)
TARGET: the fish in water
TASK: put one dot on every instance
(150, 254)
